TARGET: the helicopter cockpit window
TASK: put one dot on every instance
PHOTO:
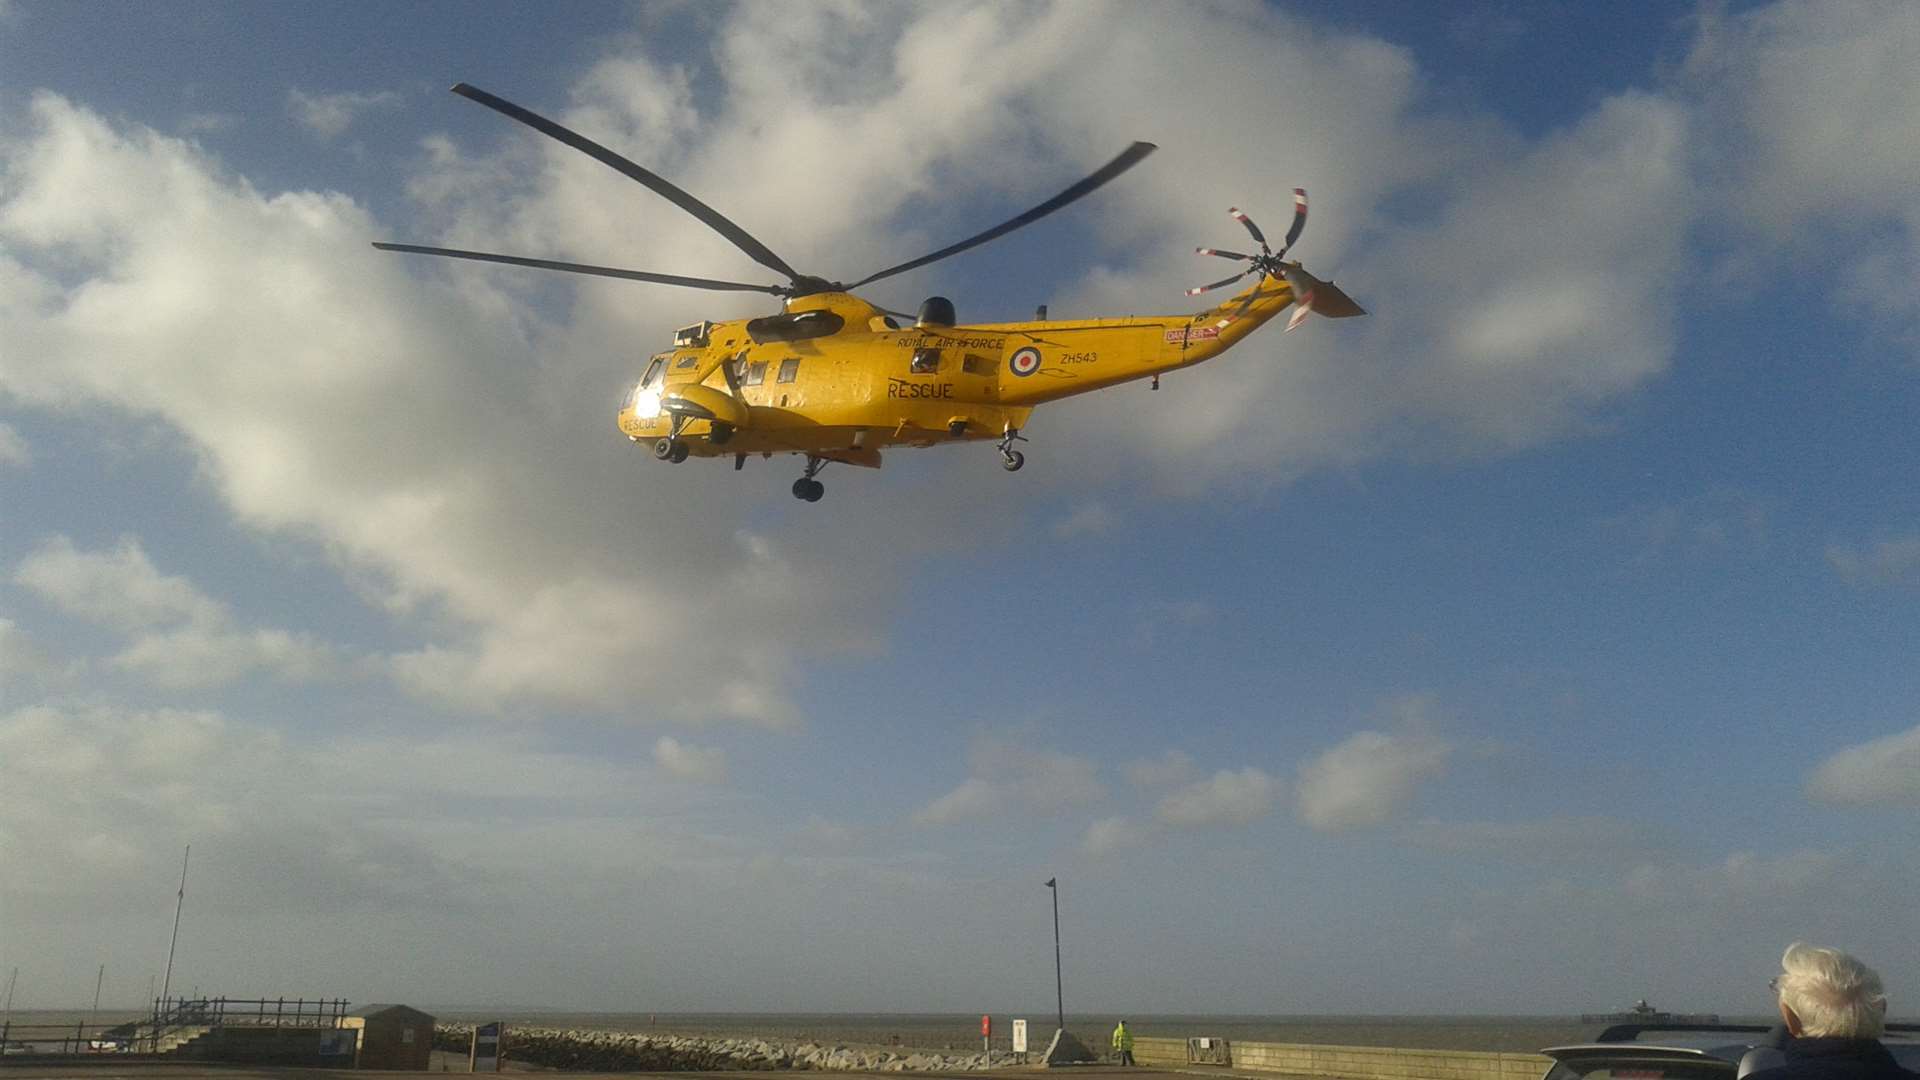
(687, 361)
(653, 372)
(789, 369)
(695, 335)
(799, 326)
(925, 361)
(756, 373)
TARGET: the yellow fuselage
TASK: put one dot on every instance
(866, 386)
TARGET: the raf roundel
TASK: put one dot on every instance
(1025, 362)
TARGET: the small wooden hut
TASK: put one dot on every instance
(391, 1037)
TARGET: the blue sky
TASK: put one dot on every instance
(1541, 642)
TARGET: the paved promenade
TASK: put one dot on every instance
(98, 1069)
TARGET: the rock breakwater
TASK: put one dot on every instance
(622, 1051)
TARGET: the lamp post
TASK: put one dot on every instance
(1059, 996)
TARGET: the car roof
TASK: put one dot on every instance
(1701, 1042)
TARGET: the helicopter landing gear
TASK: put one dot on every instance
(807, 488)
(1011, 459)
(674, 448)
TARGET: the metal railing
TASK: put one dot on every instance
(169, 1019)
(255, 1012)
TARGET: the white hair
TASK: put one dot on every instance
(1832, 993)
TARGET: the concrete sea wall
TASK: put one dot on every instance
(1353, 1062)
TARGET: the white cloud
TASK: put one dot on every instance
(330, 115)
(705, 764)
(1367, 780)
(1892, 560)
(99, 798)
(204, 123)
(1009, 777)
(1172, 767)
(974, 798)
(1718, 522)
(402, 428)
(120, 589)
(1743, 874)
(1085, 519)
(1885, 770)
(1807, 146)
(13, 449)
(1108, 836)
(1168, 620)
(1560, 837)
(19, 653)
(180, 637)
(1482, 337)
(1227, 798)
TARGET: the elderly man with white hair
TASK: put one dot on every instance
(1835, 1009)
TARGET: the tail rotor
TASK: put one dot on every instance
(1310, 293)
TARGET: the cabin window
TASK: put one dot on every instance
(756, 373)
(653, 372)
(925, 361)
(789, 369)
(686, 361)
(977, 365)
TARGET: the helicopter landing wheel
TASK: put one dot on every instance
(663, 448)
(679, 452)
(808, 489)
(1011, 459)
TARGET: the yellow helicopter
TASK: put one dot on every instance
(835, 378)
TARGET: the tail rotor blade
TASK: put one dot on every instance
(1252, 294)
(1299, 218)
(1258, 237)
(1221, 284)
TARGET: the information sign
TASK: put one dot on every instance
(485, 1055)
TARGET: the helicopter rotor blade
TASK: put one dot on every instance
(1258, 237)
(1221, 284)
(708, 216)
(582, 268)
(1299, 219)
(1128, 159)
(1252, 295)
(1222, 254)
